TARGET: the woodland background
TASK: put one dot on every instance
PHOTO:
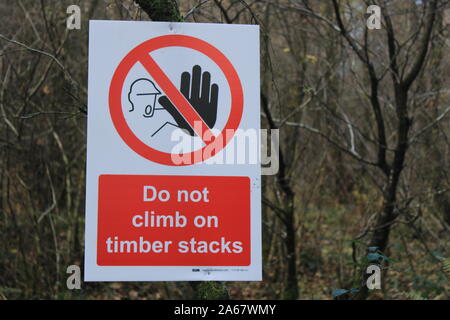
(364, 170)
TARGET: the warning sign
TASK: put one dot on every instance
(193, 107)
(173, 224)
(170, 105)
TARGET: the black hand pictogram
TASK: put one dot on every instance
(201, 95)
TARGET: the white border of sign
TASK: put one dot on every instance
(109, 42)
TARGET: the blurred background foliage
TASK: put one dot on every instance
(333, 195)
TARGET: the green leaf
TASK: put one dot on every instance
(375, 257)
(446, 266)
(339, 292)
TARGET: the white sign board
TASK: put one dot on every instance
(173, 174)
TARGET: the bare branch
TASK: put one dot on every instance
(429, 126)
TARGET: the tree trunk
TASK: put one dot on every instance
(291, 290)
(167, 10)
(380, 236)
(402, 85)
(161, 10)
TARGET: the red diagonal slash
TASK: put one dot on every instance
(178, 99)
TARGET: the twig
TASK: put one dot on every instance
(194, 8)
(51, 56)
(432, 124)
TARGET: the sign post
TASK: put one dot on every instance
(173, 171)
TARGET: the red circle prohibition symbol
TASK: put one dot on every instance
(141, 54)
